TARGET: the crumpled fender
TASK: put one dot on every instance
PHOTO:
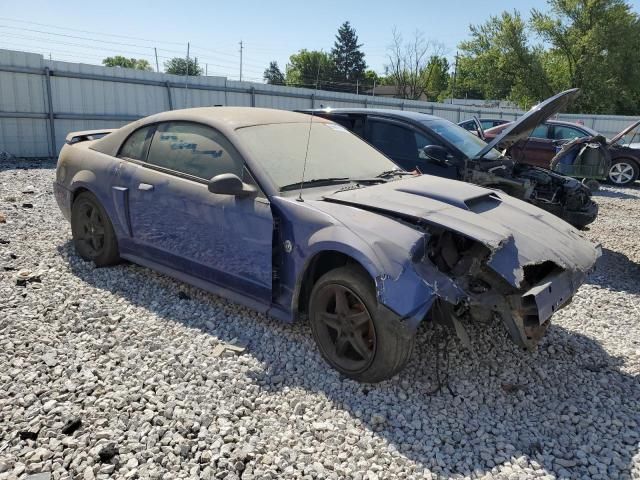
(386, 249)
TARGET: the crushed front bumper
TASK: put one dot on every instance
(529, 315)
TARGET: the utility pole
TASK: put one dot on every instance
(373, 92)
(206, 69)
(357, 87)
(455, 74)
(241, 47)
(155, 50)
(186, 78)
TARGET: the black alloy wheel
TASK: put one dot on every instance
(93, 234)
(346, 330)
(358, 337)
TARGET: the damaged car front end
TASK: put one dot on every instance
(479, 255)
(561, 195)
(565, 197)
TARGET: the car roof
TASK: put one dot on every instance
(383, 112)
(487, 119)
(224, 119)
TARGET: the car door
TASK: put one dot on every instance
(537, 150)
(176, 221)
(403, 144)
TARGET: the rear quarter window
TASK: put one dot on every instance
(137, 144)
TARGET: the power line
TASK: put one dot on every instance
(89, 31)
(152, 50)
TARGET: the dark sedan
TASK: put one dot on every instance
(546, 138)
(432, 145)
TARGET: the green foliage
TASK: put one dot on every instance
(179, 66)
(437, 75)
(498, 62)
(314, 69)
(124, 62)
(590, 44)
(596, 44)
(347, 56)
(274, 75)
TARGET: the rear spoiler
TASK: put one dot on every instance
(83, 136)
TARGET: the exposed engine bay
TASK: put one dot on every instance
(563, 196)
(486, 295)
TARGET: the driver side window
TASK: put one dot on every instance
(195, 150)
(402, 144)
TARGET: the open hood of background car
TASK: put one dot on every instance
(624, 132)
(522, 128)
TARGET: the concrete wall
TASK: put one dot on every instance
(42, 100)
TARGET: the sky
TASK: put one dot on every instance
(81, 31)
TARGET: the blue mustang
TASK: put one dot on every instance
(298, 218)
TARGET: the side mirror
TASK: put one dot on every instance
(230, 184)
(436, 153)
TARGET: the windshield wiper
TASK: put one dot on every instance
(389, 173)
(315, 182)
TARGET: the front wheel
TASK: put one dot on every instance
(93, 235)
(623, 172)
(356, 336)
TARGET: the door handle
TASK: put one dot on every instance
(145, 187)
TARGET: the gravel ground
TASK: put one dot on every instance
(115, 373)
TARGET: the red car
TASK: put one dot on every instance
(540, 148)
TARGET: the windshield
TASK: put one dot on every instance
(462, 139)
(334, 152)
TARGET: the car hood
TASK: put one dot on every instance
(624, 132)
(522, 128)
(517, 233)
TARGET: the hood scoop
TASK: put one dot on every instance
(477, 203)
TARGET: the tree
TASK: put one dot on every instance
(274, 75)
(407, 67)
(499, 63)
(347, 56)
(313, 69)
(179, 66)
(596, 46)
(590, 44)
(124, 62)
(437, 78)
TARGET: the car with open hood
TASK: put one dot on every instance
(546, 139)
(432, 145)
(296, 217)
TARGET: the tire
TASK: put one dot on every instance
(623, 172)
(360, 338)
(93, 235)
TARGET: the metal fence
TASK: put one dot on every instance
(42, 100)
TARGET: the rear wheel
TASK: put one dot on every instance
(623, 172)
(356, 336)
(93, 235)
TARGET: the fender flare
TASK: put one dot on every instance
(337, 238)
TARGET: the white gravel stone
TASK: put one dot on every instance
(123, 351)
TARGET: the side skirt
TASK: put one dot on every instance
(274, 311)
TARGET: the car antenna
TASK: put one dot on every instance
(306, 153)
